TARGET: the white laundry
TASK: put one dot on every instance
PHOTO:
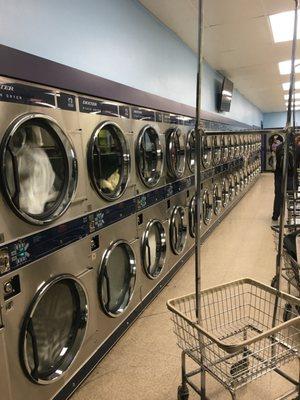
(36, 175)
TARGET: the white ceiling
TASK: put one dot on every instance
(237, 41)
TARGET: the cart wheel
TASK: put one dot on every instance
(182, 393)
(287, 313)
(274, 282)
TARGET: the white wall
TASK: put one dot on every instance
(278, 119)
(116, 39)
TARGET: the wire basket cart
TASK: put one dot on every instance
(237, 340)
(291, 268)
(293, 207)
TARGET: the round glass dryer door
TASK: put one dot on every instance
(109, 161)
(225, 192)
(237, 183)
(242, 182)
(207, 151)
(231, 188)
(192, 217)
(246, 145)
(154, 249)
(207, 205)
(176, 153)
(217, 150)
(191, 150)
(217, 199)
(38, 169)
(225, 148)
(53, 329)
(149, 156)
(178, 229)
(241, 137)
(231, 144)
(237, 146)
(117, 278)
(246, 178)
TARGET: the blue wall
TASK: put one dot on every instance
(118, 40)
(278, 119)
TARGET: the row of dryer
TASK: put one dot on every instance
(97, 213)
(66, 306)
(58, 163)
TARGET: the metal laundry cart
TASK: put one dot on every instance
(291, 266)
(236, 332)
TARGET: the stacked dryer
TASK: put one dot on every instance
(97, 213)
(46, 283)
(151, 217)
(109, 147)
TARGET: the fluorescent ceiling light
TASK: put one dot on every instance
(296, 108)
(286, 86)
(282, 25)
(297, 96)
(285, 67)
(297, 103)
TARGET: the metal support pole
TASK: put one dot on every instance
(288, 131)
(288, 134)
(198, 163)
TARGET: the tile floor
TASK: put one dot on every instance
(145, 363)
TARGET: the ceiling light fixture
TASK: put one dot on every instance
(296, 108)
(286, 86)
(297, 96)
(297, 103)
(282, 25)
(285, 67)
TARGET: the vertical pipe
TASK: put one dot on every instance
(198, 163)
(288, 131)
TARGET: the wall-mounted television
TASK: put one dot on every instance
(226, 95)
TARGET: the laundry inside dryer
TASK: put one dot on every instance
(149, 156)
(35, 168)
(109, 161)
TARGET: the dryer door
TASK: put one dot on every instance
(117, 278)
(192, 217)
(224, 148)
(154, 249)
(149, 156)
(207, 206)
(242, 182)
(178, 230)
(231, 188)
(217, 199)
(38, 169)
(225, 192)
(176, 153)
(109, 161)
(242, 142)
(246, 178)
(206, 151)
(237, 183)
(246, 145)
(53, 329)
(191, 150)
(231, 147)
(237, 150)
(217, 149)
